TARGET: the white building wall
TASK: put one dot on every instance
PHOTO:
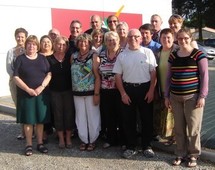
(35, 16)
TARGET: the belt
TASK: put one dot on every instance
(133, 84)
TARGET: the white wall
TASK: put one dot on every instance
(35, 16)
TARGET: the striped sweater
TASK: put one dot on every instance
(185, 73)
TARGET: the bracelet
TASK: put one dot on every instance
(96, 94)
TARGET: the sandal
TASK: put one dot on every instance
(192, 162)
(69, 146)
(91, 147)
(178, 161)
(83, 147)
(170, 142)
(28, 150)
(61, 146)
(41, 148)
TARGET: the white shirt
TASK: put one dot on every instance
(135, 65)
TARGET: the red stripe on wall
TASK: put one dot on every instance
(61, 19)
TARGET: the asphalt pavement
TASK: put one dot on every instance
(12, 157)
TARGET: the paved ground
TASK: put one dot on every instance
(12, 158)
(11, 150)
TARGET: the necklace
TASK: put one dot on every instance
(82, 56)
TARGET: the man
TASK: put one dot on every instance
(112, 22)
(156, 22)
(96, 23)
(75, 30)
(147, 33)
(53, 34)
(135, 70)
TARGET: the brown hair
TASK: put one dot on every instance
(33, 38)
(21, 30)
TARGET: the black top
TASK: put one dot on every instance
(31, 72)
(61, 74)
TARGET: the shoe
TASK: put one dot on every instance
(91, 147)
(106, 145)
(83, 147)
(192, 162)
(20, 137)
(149, 153)
(41, 148)
(129, 153)
(177, 161)
(28, 150)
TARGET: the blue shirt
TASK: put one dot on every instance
(154, 46)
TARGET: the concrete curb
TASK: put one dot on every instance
(207, 155)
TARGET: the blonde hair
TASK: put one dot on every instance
(176, 18)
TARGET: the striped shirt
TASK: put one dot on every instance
(185, 78)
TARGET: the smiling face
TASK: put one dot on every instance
(112, 22)
(60, 45)
(46, 45)
(167, 40)
(75, 29)
(112, 40)
(122, 30)
(20, 39)
(184, 39)
(134, 39)
(96, 22)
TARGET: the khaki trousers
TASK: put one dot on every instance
(188, 120)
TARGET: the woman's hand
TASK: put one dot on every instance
(39, 90)
(31, 92)
(96, 99)
(168, 104)
(200, 103)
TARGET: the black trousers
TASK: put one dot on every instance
(112, 120)
(137, 94)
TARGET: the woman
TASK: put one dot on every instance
(46, 49)
(46, 45)
(20, 36)
(86, 90)
(32, 75)
(97, 41)
(165, 119)
(122, 30)
(61, 94)
(186, 90)
(110, 96)
(176, 23)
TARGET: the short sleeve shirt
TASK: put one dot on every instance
(135, 66)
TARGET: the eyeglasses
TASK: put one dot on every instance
(181, 39)
(133, 36)
(112, 21)
(92, 22)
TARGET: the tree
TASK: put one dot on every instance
(197, 13)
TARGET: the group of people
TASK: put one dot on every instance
(118, 82)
